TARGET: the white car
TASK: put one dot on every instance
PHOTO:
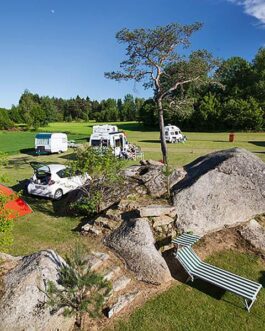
(54, 180)
(72, 144)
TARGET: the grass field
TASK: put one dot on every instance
(179, 154)
(183, 307)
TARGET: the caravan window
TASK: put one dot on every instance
(105, 143)
(117, 142)
(95, 142)
(43, 141)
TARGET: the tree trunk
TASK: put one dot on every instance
(162, 131)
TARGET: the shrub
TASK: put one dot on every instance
(105, 170)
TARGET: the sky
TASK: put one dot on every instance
(63, 47)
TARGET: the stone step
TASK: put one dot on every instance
(158, 210)
(96, 260)
(111, 273)
(122, 302)
(120, 283)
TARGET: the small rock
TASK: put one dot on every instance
(114, 214)
(162, 221)
(254, 233)
(123, 301)
(96, 259)
(176, 176)
(120, 283)
(132, 171)
(91, 229)
(105, 222)
(6, 257)
(141, 190)
(128, 205)
(158, 210)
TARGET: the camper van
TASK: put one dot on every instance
(51, 143)
(173, 134)
(115, 140)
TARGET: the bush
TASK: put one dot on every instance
(104, 169)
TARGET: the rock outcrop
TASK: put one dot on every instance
(220, 189)
(22, 306)
(134, 242)
(254, 233)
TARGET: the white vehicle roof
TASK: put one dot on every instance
(105, 128)
(105, 135)
(47, 135)
(172, 127)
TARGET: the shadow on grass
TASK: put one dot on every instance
(29, 151)
(259, 144)
(209, 289)
(17, 162)
(151, 141)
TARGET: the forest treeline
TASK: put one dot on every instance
(235, 102)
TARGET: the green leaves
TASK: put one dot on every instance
(105, 170)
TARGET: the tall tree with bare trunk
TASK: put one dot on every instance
(150, 52)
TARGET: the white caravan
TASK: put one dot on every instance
(115, 140)
(105, 128)
(173, 134)
(51, 143)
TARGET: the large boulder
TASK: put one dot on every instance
(220, 189)
(134, 242)
(22, 306)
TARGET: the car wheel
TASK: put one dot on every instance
(58, 194)
(25, 189)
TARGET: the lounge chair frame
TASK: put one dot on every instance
(229, 281)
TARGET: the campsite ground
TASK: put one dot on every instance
(182, 307)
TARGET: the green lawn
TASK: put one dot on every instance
(200, 306)
(179, 154)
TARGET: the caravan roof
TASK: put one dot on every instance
(105, 128)
(46, 135)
